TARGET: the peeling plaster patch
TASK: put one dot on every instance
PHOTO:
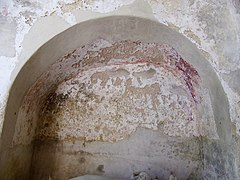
(22, 30)
(96, 109)
(22, 22)
(116, 80)
(202, 19)
(105, 5)
(27, 12)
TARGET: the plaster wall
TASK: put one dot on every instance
(215, 55)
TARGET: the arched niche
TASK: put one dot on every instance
(28, 157)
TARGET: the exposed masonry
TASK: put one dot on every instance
(105, 91)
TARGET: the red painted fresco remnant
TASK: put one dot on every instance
(186, 70)
(189, 74)
(178, 66)
(123, 53)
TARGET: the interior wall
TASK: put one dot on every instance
(112, 29)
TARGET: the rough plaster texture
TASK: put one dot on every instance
(112, 89)
(213, 26)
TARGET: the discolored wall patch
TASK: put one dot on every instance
(105, 91)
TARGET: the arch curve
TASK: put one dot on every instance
(111, 29)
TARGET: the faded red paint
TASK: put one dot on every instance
(158, 55)
(180, 68)
(190, 75)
